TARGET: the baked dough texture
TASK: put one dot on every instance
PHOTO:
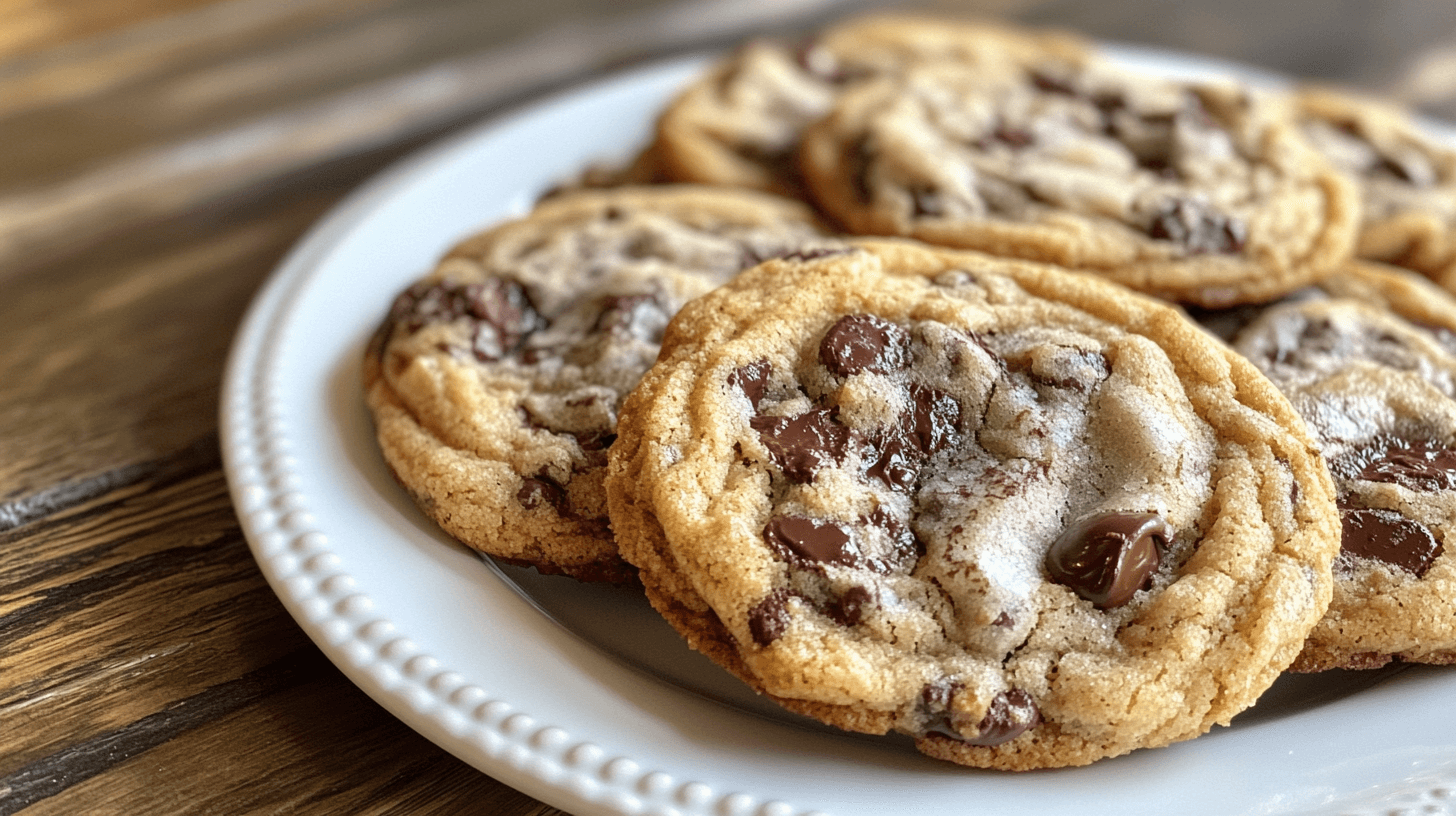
(740, 123)
(1369, 360)
(495, 380)
(1196, 192)
(1026, 516)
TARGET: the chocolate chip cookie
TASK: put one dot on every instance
(740, 123)
(1369, 360)
(495, 381)
(1406, 177)
(1201, 193)
(1022, 514)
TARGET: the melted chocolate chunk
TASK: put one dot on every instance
(849, 608)
(1108, 557)
(896, 462)
(1011, 714)
(537, 489)
(796, 538)
(936, 418)
(1387, 536)
(1414, 466)
(752, 380)
(862, 342)
(1198, 228)
(769, 618)
(929, 426)
(801, 445)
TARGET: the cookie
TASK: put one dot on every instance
(1024, 515)
(1201, 193)
(495, 381)
(1406, 177)
(1369, 361)
(739, 124)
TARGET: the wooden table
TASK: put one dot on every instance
(157, 158)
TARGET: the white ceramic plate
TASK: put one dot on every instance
(579, 695)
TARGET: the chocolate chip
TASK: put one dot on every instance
(1107, 557)
(801, 445)
(752, 380)
(594, 446)
(896, 460)
(769, 618)
(896, 453)
(935, 709)
(849, 608)
(1387, 536)
(936, 418)
(863, 342)
(1198, 227)
(801, 539)
(538, 489)
(500, 308)
(1414, 466)
(1011, 714)
(505, 317)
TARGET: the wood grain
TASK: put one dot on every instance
(161, 156)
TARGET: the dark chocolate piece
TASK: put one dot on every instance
(1387, 536)
(535, 490)
(752, 380)
(797, 538)
(1415, 466)
(801, 445)
(1011, 714)
(1108, 557)
(936, 418)
(863, 342)
(849, 609)
(769, 618)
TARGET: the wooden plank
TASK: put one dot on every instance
(145, 666)
(114, 357)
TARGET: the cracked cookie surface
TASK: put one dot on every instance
(495, 381)
(1021, 514)
(1369, 360)
(1201, 193)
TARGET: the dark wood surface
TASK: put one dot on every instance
(158, 159)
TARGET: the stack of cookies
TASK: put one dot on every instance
(957, 380)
